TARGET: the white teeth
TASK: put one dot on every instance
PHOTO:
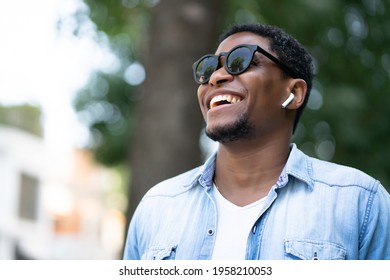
(229, 98)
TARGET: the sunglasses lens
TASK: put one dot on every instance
(205, 68)
(239, 60)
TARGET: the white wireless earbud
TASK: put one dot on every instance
(288, 100)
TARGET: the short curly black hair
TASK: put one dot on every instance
(288, 50)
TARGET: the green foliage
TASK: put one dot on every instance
(124, 22)
(106, 106)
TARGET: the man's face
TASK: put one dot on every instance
(247, 105)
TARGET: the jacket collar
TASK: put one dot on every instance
(298, 166)
(206, 172)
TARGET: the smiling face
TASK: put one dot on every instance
(247, 105)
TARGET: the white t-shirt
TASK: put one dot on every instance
(234, 224)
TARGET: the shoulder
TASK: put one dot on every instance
(315, 171)
(175, 185)
(201, 175)
(334, 174)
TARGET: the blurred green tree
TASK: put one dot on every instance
(106, 103)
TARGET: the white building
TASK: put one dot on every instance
(54, 209)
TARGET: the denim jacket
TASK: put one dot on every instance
(316, 210)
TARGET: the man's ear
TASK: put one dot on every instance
(299, 88)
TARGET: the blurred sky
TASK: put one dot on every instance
(44, 66)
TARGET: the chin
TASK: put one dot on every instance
(241, 129)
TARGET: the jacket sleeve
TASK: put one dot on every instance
(375, 233)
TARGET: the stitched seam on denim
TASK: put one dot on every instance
(370, 188)
(368, 212)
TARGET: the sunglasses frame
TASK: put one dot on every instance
(253, 49)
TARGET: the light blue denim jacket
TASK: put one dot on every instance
(316, 209)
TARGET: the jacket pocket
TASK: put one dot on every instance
(306, 249)
(160, 253)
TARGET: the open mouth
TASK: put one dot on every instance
(224, 100)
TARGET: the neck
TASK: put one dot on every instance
(245, 172)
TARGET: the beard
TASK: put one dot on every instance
(240, 130)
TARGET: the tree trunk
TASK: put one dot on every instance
(168, 118)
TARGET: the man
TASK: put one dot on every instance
(259, 196)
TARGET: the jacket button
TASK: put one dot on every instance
(210, 232)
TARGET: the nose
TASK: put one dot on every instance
(220, 76)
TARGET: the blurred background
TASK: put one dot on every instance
(98, 103)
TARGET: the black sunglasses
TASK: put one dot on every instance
(237, 60)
